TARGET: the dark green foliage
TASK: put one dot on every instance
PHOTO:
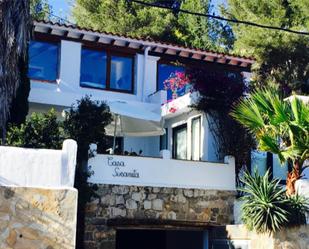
(40, 9)
(218, 91)
(266, 208)
(128, 18)
(264, 204)
(280, 127)
(41, 130)
(281, 57)
(84, 123)
(297, 209)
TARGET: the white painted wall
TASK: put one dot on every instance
(208, 152)
(150, 85)
(68, 90)
(38, 167)
(162, 172)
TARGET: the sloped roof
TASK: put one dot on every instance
(76, 32)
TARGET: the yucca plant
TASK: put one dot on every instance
(297, 207)
(264, 203)
(280, 127)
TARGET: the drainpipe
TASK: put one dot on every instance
(144, 73)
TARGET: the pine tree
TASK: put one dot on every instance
(129, 18)
(282, 57)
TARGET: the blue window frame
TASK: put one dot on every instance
(103, 70)
(43, 61)
(174, 80)
(121, 73)
(93, 68)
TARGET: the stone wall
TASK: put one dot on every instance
(290, 238)
(37, 218)
(119, 205)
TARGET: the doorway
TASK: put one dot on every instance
(160, 239)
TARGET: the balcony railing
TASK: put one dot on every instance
(158, 172)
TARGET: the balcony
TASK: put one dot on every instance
(161, 172)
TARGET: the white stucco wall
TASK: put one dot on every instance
(38, 167)
(68, 90)
(157, 172)
(46, 95)
(208, 152)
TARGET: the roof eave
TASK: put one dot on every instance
(123, 41)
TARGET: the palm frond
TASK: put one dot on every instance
(280, 127)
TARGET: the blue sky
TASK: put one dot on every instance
(62, 7)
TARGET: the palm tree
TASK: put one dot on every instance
(15, 33)
(280, 127)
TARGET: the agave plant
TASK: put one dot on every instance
(264, 206)
(280, 127)
(297, 207)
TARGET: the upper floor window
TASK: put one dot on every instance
(121, 73)
(43, 61)
(174, 80)
(100, 69)
(93, 68)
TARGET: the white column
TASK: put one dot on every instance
(150, 85)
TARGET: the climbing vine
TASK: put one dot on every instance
(219, 90)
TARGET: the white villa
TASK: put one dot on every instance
(67, 63)
(177, 181)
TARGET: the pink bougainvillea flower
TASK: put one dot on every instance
(172, 110)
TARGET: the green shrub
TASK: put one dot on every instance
(40, 130)
(297, 207)
(266, 208)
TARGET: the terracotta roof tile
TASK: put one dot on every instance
(143, 39)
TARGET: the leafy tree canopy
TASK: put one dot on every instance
(40, 9)
(281, 57)
(124, 17)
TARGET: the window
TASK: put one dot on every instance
(173, 79)
(93, 69)
(43, 61)
(164, 140)
(180, 142)
(121, 73)
(101, 69)
(263, 161)
(196, 139)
